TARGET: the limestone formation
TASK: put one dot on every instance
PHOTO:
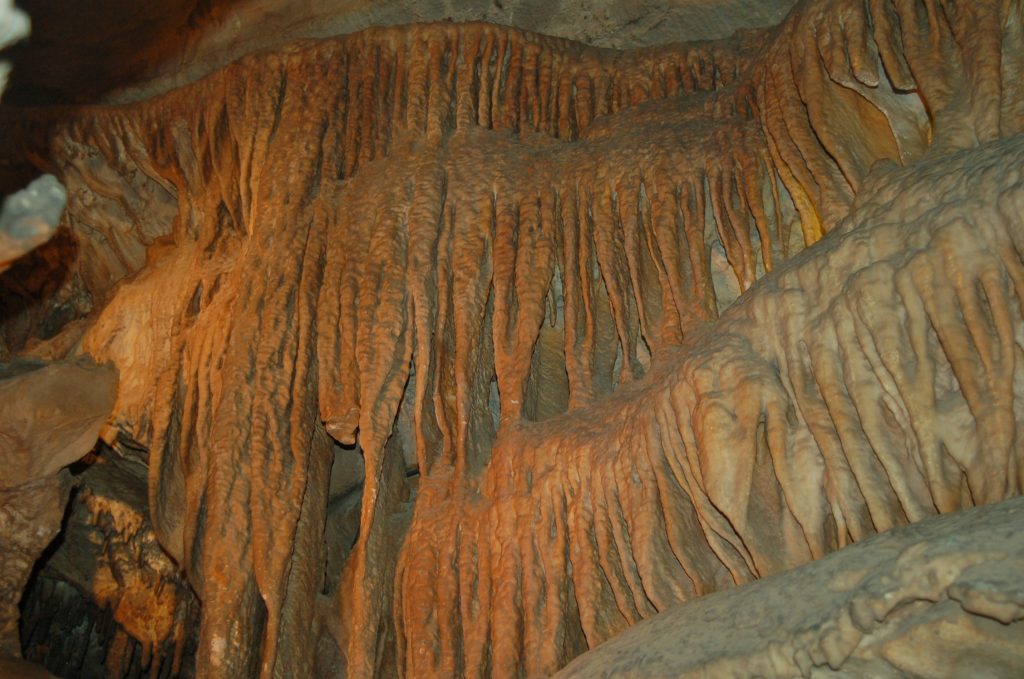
(941, 598)
(598, 332)
(149, 47)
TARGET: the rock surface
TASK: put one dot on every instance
(30, 517)
(942, 598)
(13, 668)
(106, 589)
(610, 331)
(148, 47)
(52, 415)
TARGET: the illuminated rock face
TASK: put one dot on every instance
(499, 270)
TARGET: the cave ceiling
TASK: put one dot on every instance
(119, 50)
(546, 341)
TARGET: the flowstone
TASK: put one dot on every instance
(599, 332)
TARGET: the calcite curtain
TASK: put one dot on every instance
(504, 266)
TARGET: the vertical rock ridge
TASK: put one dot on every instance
(730, 479)
(313, 235)
(848, 83)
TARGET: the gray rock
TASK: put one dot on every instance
(941, 598)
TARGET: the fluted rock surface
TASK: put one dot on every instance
(504, 266)
(817, 410)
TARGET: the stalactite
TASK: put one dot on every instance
(665, 492)
(222, 163)
(422, 217)
(849, 83)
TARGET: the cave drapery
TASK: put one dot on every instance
(606, 331)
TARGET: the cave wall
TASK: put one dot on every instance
(606, 331)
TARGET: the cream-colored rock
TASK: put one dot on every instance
(29, 218)
(941, 599)
(14, 25)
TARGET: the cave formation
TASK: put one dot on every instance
(451, 349)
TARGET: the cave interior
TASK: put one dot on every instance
(510, 338)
